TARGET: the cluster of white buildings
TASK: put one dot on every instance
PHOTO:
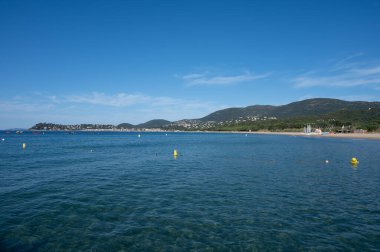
(198, 124)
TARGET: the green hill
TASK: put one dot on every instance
(368, 119)
(236, 113)
(156, 123)
(125, 126)
(305, 108)
(321, 106)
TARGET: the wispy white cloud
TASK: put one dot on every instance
(367, 71)
(343, 74)
(334, 81)
(18, 104)
(10, 106)
(346, 63)
(207, 79)
(193, 76)
(116, 100)
(124, 100)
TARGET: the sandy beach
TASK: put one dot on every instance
(373, 136)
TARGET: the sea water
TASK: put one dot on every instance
(223, 192)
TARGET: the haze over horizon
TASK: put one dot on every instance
(111, 62)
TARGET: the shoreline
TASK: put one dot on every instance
(371, 136)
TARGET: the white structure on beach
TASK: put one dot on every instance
(307, 129)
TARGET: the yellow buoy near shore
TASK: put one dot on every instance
(354, 161)
(175, 153)
(24, 146)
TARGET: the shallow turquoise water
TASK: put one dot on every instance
(115, 191)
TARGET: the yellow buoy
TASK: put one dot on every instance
(175, 153)
(24, 146)
(354, 161)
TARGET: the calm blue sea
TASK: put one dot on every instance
(224, 192)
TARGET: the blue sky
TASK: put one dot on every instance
(131, 61)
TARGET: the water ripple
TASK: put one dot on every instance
(224, 192)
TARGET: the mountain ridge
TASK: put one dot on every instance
(315, 106)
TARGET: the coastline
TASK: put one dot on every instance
(372, 136)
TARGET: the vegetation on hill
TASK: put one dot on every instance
(305, 108)
(236, 113)
(352, 119)
(157, 123)
(152, 124)
(125, 126)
